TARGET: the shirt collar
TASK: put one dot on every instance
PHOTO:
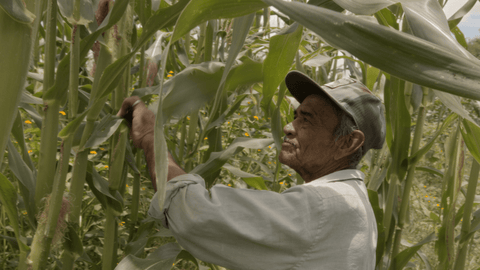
(339, 175)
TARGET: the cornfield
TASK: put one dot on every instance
(75, 193)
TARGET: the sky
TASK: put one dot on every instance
(470, 23)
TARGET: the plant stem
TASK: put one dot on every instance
(408, 182)
(40, 252)
(48, 142)
(135, 196)
(467, 212)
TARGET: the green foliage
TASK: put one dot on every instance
(221, 104)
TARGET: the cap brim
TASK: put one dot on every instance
(301, 86)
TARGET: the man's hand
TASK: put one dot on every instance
(140, 120)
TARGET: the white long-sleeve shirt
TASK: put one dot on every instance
(327, 223)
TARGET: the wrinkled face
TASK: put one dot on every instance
(309, 141)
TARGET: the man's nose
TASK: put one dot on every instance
(289, 129)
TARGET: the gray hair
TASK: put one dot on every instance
(346, 127)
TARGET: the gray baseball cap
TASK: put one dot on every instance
(352, 97)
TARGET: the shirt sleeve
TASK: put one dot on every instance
(242, 228)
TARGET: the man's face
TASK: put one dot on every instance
(309, 144)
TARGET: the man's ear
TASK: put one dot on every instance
(349, 144)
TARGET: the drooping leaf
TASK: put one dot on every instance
(99, 187)
(199, 11)
(72, 126)
(401, 260)
(218, 159)
(251, 179)
(397, 53)
(457, 17)
(200, 82)
(160, 259)
(282, 50)
(104, 130)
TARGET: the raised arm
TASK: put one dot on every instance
(141, 122)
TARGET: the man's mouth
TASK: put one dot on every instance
(287, 140)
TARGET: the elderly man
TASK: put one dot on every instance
(327, 223)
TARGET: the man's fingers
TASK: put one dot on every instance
(127, 106)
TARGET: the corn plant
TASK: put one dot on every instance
(75, 193)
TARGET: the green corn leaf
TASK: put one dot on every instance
(422, 151)
(276, 121)
(19, 135)
(251, 179)
(282, 50)
(471, 136)
(401, 260)
(186, 256)
(218, 159)
(364, 7)
(373, 198)
(99, 187)
(160, 259)
(17, 11)
(457, 17)
(85, 13)
(429, 170)
(73, 243)
(397, 53)
(200, 82)
(14, 64)
(104, 130)
(8, 197)
(256, 182)
(72, 126)
(26, 178)
(199, 11)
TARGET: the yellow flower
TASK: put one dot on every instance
(426, 196)
(106, 167)
(281, 183)
(169, 75)
(438, 204)
(269, 146)
(24, 212)
(93, 152)
(30, 151)
(424, 186)
(143, 188)
(256, 117)
(28, 122)
(205, 138)
(102, 148)
(248, 102)
(428, 201)
(259, 150)
(229, 185)
(127, 185)
(62, 112)
(188, 117)
(171, 72)
(121, 223)
(289, 174)
(228, 122)
(269, 162)
(246, 134)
